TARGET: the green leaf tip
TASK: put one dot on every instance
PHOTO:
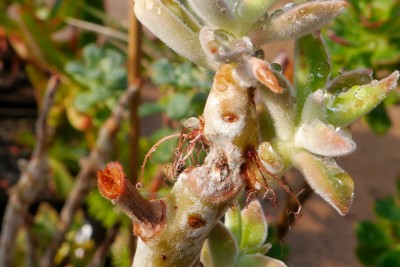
(345, 108)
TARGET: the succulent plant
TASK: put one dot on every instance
(256, 124)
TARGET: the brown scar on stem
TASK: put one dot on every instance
(195, 221)
(229, 117)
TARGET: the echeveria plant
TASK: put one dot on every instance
(255, 124)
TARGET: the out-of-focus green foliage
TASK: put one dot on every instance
(379, 240)
(102, 74)
(366, 35)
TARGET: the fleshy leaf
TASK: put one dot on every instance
(272, 161)
(280, 107)
(250, 11)
(348, 79)
(254, 226)
(171, 30)
(312, 67)
(216, 13)
(261, 249)
(233, 221)
(222, 46)
(220, 248)
(298, 21)
(254, 69)
(313, 108)
(327, 179)
(347, 107)
(322, 139)
(258, 260)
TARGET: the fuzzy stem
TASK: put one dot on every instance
(197, 201)
(30, 184)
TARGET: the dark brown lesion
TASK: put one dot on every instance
(230, 117)
(196, 221)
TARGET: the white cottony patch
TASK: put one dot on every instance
(324, 140)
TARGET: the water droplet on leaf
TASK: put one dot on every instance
(288, 6)
(149, 4)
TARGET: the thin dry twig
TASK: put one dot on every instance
(103, 30)
(31, 182)
(85, 178)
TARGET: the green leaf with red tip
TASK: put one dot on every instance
(312, 67)
(345, 108)
(327, 180)
(258, 260)
(220, 248)
(254, 226)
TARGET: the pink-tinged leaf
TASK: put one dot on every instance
(296, 22)
(313, 108)
(254, 226)
(322, 139)
(220, 248)
(327, 179)
(258, 260)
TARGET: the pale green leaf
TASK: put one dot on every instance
(258, 260)
(327, 179)
(345, 108)
(233, 221)
(173, 31)
(220, 248)
(254, 226)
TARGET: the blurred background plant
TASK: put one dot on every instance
(379, 239)
(86, 48)
(366, 36)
